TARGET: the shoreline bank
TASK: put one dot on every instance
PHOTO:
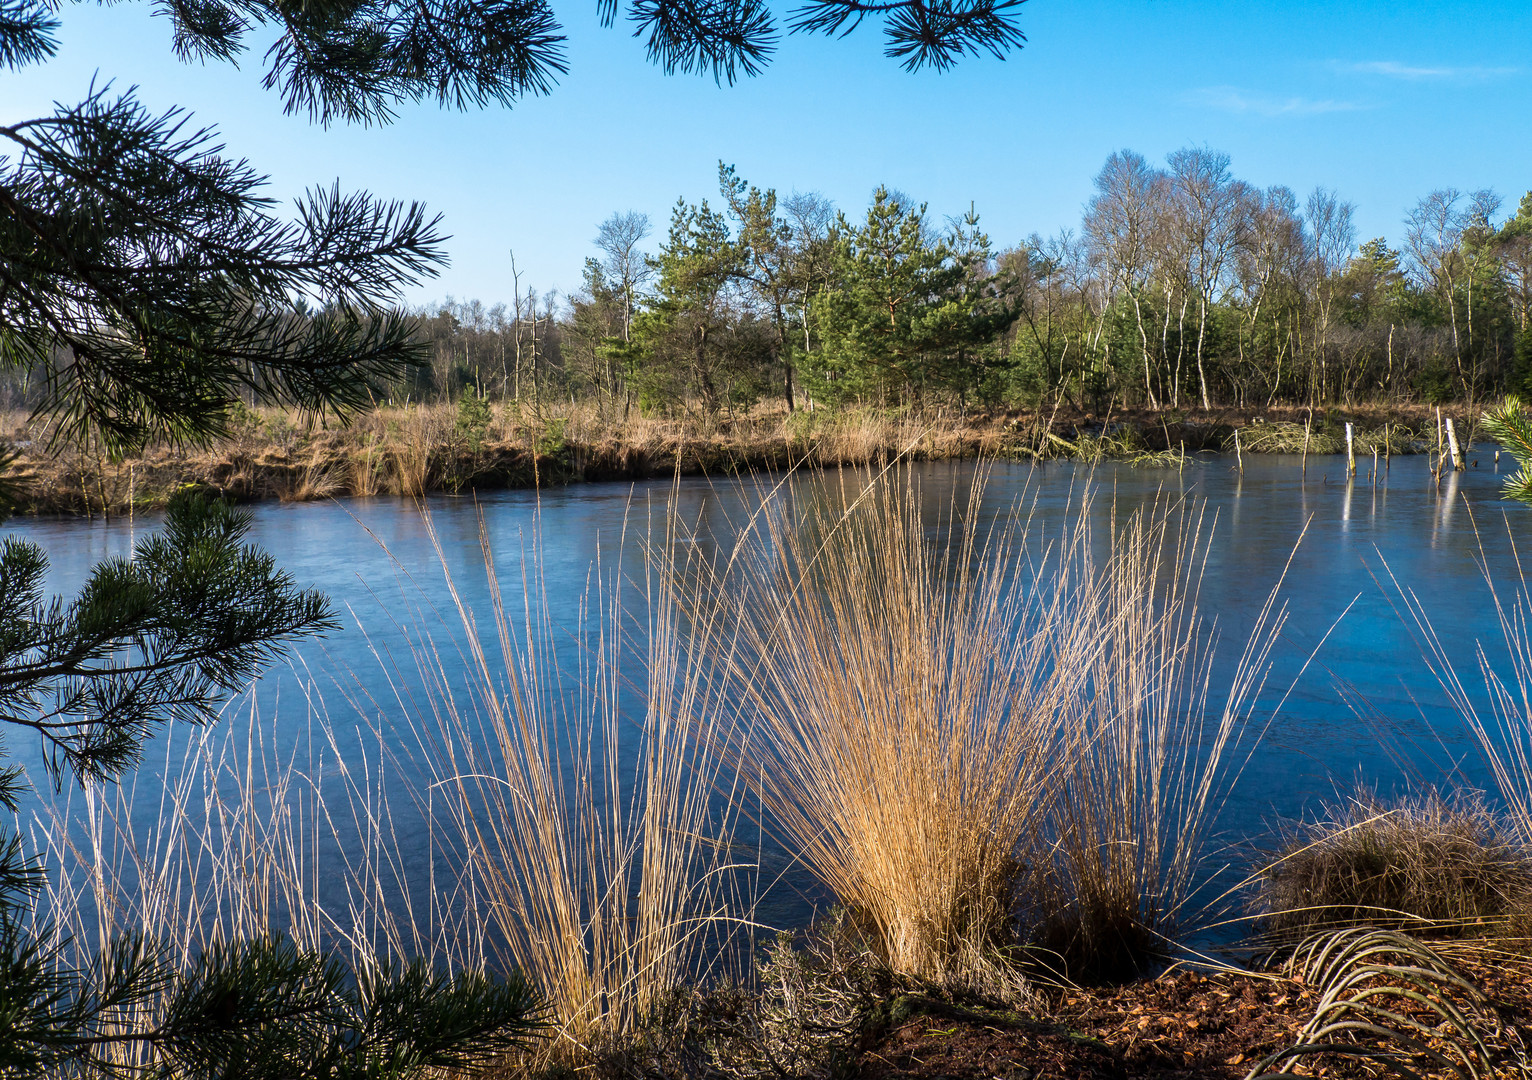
(419, 450)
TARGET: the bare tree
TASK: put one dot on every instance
(1331, 240)
(1479, 251)
(1212, 210)
(809, 216)
(624, 263)
(1271, 258)
(1119, 227)
(1433, 232)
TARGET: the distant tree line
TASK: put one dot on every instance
(1183, 286)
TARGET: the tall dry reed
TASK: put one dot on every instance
(987, 741)
(581, 808)
(895, 698)
(1501, 720)
(1147, 761)
(236, 832)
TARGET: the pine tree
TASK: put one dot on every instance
(162, 636)
(144, 275)
(907, 312)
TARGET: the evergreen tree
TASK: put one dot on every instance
(1509, 426)
(146, 278)
(905, 313)
(693, 340)
(1521, 363)
(162, 636)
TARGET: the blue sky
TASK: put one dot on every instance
(1382, 101)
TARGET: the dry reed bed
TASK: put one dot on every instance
(414, 450)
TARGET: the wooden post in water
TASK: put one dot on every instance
(1374, 466)
(1306, 424)
(1238, 456)
(1350, 451)
(1452, 443)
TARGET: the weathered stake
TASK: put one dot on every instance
(1238, 456)
(1452, 442)
(1350, 450)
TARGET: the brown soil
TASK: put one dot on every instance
(1182, 1024)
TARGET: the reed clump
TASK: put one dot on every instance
(1428, 864)
(893, 698)
(1288, 437)
(576, 808)
(989, 751)
(1145, 751)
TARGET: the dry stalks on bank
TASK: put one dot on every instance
(588, 834)
(250, 834)
(893, 696)
(983, 743)
(1151, 751)
(1427, 864)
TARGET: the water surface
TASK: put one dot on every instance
(1363, 709)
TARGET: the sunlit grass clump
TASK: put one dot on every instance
(1423, 864)
(995, 748)
(571, 798)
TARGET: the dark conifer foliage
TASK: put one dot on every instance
(920, 33)
(146, 274)
(161, 636)
(146, 277)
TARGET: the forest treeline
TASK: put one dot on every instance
(1182, 286)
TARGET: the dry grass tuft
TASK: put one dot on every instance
(585, 826)
(413, 446)
(979, 745)
(892, 699)
(1426, 864)
(1287, 437)
(1145, 770)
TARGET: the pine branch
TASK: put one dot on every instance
(727, 38)
(158, 638)
(27, 29)
(922, 33)
(145, 273)
(1512, 429)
